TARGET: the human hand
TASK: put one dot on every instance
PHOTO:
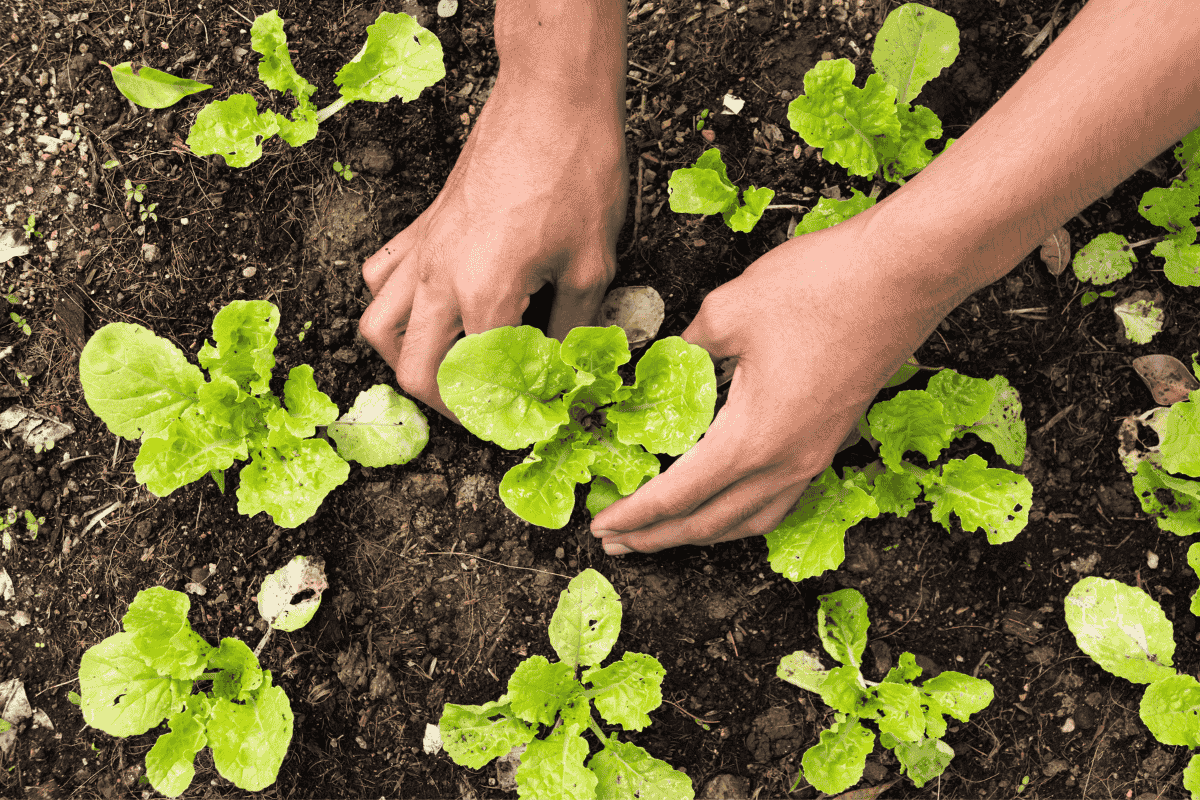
(538, 196)
(818, 325)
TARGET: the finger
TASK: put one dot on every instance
(432, 330)
(384, 322)
(579, 294)
(379, 268)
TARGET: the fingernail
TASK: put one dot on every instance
(602, 534)
(616, 549)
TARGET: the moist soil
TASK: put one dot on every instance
(436, 591)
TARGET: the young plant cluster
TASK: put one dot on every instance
(399, 59)
(143, 387)
(1126, 632)
(811, 539)
(875, 130)
(548, 708)
(517, 387)
(911, 719)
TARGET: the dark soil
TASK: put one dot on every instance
(437, 591)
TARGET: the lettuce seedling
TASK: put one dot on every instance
(133, 680)
(705, 188)
(811, 539)
(556, 695)
(1127, 634)
(144, 388)
(516, 387)
(910, 718)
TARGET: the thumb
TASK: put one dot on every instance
(579, 293)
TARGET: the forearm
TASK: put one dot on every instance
(1118, 87)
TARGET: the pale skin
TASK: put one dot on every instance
(819, 323)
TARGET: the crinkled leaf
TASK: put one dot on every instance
(541, 489)
(1173, 208)
(964, 399)
(267, 38)
(896, 493)
(382, 428)
(672, 401)
(842, 625)
(170, 764)
(906, 670)
(135, 381)
(924, 760)
(162, 635)
(121, 694)
(553, 767)
(846, 121)
(628, 466)
(152, 88)
(506, 385)
(1182, 266)
(842, 690)
(905, 153)
(1171, 710)
(1188, 151)
(955, 694)
(249, 741)
(1178, 510)
(1140, 318)
(1193, 560)
(537, 689)
(912, 420)
(914, 44)
(234, 128)
(193, 446)
(1001, 426)
(601, 494)
(1121, 628)
(628, 690)
(474, 735)
(828, 212)
(1104, 259)
(625, 771)
(837, 761)
(308, 404)
(277, 596)
(240, 672)
(897, 710)
(1180, 443)
(290, 485)
(587, 621)
(245, 344)
(811, 539)
(995, 500)
(744, 217)
(802, 669)
(704, 188)
(400, 59)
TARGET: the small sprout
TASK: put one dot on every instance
(700, 122)
(1091, 297)
(147, 212)
(343, 170)
(30, 228)
(304, 331)
(134, 194)
(112, 163)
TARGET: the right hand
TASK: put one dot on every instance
(538, 196)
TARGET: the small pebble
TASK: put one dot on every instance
(1151, 559)
(249, 272)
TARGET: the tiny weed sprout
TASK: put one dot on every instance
(911, 719)
(21, 323)
(30, 228)
(133, 680)
(304, 331)
(555, 698)
(1126, 633)
(811, 539)
(1090, 297)
(344, 171)
(706, 189)
(399, 59)
(700, 122)
(517, 387)
(144, 388)
(134, 193)
(9, 523)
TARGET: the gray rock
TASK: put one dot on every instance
(425, 488)
(347, 355)
(726, 787)
(376, 159)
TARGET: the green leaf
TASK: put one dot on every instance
(811, 539)
(537, 689)
(1171, 710)
(843, 690)
(506, 385)
(596, 353)
(308, 404)
(240, 672)
(193, 446)
(1179, 511)
(301, 577)
(704, 188)
(1121, 628)
(553, 768)
(245, 344)
(1193, 560)
(1180, 441)
(250, 741)
(400, 59)
(829, 212)
(846, 121)
(924, 760)
(541, 489)
(170, 764)
(474, 735)
(1104, 259)
(994, 500)
(1140, 318)
(152, 88)
(1182, 266)
(802, 669)
(234, 128)
(964, 399)
(912, 420)
(1173, 208)
(1191, 775)
(672, 401)
(837, 761)
(897, 709)
(587, 621)
(628, 466)
(625, 692)
(602, 494)
(744, 217)
(267, 38)
(382, 428)
(290, 486)
(896, 493)
(135, 381)
(625, 771)
(914, 44)
(164, 639)
(1188, 151)
(906, 670)
(955, 694)
(1001, 426)
(842, 625)
(905, 154)
(121, 694)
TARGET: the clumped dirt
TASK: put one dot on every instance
(437, 592)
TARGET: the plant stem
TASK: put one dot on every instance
(1151, 240)
(594, 728)
(263, 642)
(331, 109)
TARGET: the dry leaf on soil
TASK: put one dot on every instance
(1056, 251)
(638, 310)
(1166, 377)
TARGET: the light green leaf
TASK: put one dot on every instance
(1188, 151)
(245, 344)
(842, 625)
(906, 670)
(234, 128)
(1191, 776)
(553, 768)
(955, 694)
(290, 486)
(1140, 318)
(135, 381)
(400, 59)
(1193, 560)
(897, 709)
(843, 690)
(308, 404)
(152, 88)
(170, 764)
(673, 398)
(240, 672)
(1001, 426)
(996, 500)
(1173, 208)
(277, 596)
(1180, 440)
(802, 669)
(587, 621)
(837, 761)
(1171, 710)
(163, 637)
(811, 539)
(193, 446)
(596, 353)
(1104, 259)
(704, 188)
(121, 694)
(267, 38)
(1121, 628)
(964, 399)
(537, 689)
(250, 741)
(625, 771)
(625, 692)
(905, 154)
(1182, 266)
(628, 466)
(382, 428)
(912, 420)
(914, 44)
(506, 385)
(541, 489)
(896, 493)
(744, 217)
(828, 212)
(1181, 515)
(925, 760)
(474, 735)
(602, 494)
